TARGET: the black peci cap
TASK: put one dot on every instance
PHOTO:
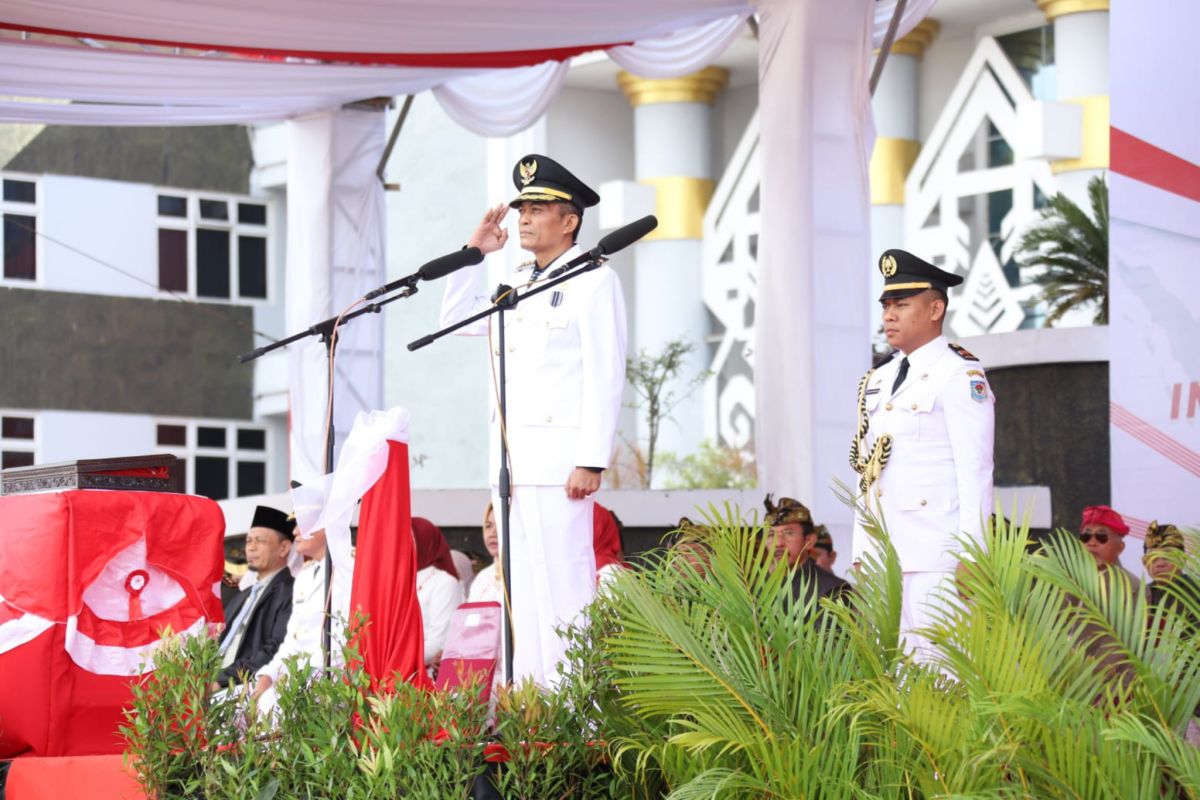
(541, 179)
(276, 520)
(905, 275)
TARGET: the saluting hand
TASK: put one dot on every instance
(490, 236)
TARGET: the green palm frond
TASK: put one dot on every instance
(1072, 250)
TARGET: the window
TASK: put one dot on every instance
(17, 440)
(20, 229)
(204, 251)
(223, 460)
(1032, 53)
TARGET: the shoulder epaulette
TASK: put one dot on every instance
(962, 352)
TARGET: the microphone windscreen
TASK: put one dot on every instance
(626, 235)
(443, 266)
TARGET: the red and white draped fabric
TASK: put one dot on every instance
(90, 584)
(1154, 319)
(380, 580)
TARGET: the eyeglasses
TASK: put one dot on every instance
(1086, 536)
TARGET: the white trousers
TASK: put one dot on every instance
(553, 575)
(920, 589)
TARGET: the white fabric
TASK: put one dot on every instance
(335, 254)
(25, 628)
(466, 571)
(566, 370)
(914, 12)
(680, 53)
(502, 102)
(1154, 244)
(154, 89)
(330, 501)
(486, 588)
(811, 317)
(438, 594)
(553, 575)
(373, 26)
(920, 590)
(108, 595)
(938, 482)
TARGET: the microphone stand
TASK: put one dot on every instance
(407, 287)
(592, 261)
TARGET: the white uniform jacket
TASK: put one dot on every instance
(938, 482)
(565, 369)
(304, 628)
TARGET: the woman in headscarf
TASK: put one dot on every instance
(438, 589)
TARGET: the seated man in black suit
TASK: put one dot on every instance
(256, 620)
(791, 538)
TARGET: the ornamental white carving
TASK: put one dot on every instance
(728, 272)
(950, 212)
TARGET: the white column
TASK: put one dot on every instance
(810, 342)
(673, 155)
(335, 254)
(1081, 77)
(895, 107)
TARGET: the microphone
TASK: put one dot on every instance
(430, 271)
(624, 236)
(451, 262)
(619, 239)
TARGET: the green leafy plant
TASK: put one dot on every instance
(1072, 250)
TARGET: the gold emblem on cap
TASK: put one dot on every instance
(528, 170)
(887, 265)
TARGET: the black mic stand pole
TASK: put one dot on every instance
(505, 303)
(324, 330)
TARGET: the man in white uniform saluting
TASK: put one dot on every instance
(565, 376)
(926, 436)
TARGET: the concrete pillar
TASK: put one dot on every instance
(1081, 78)
(897, 143)
(673, 155)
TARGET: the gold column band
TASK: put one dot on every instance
(1094, 153)
(679, 204)
(1053, 9)
(918, 39)
(890, 162)
(699, 87)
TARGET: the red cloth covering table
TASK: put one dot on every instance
(89, 581)
(94, 777)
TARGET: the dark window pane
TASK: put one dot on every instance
(212, 263)
(172, 435)
(19, 250)
(210, 437)
(214, 209)
(252, 478)
(252, 266)
(17, 428)
(252, 214)
(172, 260)
(212, 477)
(16, 459)
(20, 191)
(171, 206)
(251, 439)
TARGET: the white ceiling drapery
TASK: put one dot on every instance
(122, 87)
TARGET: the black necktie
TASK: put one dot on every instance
(901, 375)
